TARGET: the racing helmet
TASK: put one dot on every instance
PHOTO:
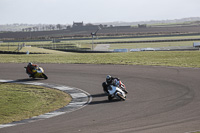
(30, 64)
(108, 79)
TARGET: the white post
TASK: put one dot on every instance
(18, 47)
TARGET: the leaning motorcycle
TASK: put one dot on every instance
(39, 73)
(117, 89)
(120, 84)
(116, 92)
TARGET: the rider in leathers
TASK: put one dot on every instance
(29, 69)
(110, 81)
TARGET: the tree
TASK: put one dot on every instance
(59, 26)
(68, 27)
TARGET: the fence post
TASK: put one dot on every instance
(20, 46)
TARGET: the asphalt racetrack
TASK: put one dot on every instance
(160, 99)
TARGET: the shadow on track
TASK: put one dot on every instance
(26, 80)
(99, 95)
(94, 102)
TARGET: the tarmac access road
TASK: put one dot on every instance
(160, 99)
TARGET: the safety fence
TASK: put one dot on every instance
(11, 47)
(17, 47)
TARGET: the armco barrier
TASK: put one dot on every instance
(120, 50)
(83, 51)
(11, 52)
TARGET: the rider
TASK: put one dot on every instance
(113, 81)
(29, 69)
(109, 81)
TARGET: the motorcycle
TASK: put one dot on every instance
(39, 73)
(117, 89)
(116, 92)
(116, 82)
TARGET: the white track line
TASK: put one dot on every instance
(79, 100)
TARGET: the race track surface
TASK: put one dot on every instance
(160, 99)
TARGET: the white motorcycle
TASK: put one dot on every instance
(116, 89)
(116, 92)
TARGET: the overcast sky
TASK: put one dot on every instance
(92, 11)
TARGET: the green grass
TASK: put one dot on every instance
(18, 102)
(165, 58)
(13, 48)
(146, 38)
(151, 45)
(189, 23)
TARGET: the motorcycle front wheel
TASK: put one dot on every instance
(110, 98)
(44, 76)
(121, 97)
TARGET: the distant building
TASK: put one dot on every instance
(80, 26)
(77, 24)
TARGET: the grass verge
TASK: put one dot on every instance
(152, 45)
(161, 58)
(18, 102)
